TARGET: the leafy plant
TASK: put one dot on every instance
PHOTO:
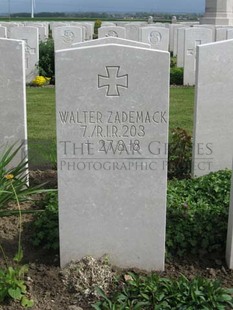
(97, 25)
(176, 76)
(12, 283)
(20, 174)
(180, 154)
(46, 61)
(45, 227)
(173, 62)
(197, 214)
(154, 292)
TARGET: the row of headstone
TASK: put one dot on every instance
(43, 29)
(157, 37)
(186, 41)
(108, 128)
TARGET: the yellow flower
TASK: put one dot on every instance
(9, 176)
(39, 81)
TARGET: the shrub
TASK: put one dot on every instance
(197, 213)
(46, 61)
(180, 154)
(172, 62)
(19, 177)
(176, 76)
(45, 227)
(97, 25)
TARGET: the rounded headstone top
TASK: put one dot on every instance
(150, 20)
(174, 19)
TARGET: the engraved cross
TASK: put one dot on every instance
(113, 81)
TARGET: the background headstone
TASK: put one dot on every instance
(213, 126)
(180, 47)
(3, 32)
(157, 37)
(112, 31)
(64, 37)
(30, 35)
(109, 40)
(13, 121)
(192, 38)
(112, 194)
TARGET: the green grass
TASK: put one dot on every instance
(182, 108)
(42, 123)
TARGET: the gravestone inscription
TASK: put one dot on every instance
(112, 133)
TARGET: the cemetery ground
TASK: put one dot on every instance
(196, 234)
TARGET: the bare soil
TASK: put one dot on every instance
(46, 282)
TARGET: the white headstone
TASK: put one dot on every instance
(112, 179)
(43, 30)
(110, 40)
(175, 39)
(192, 38)
(213, 126)
(3, 32)
(110, 31)
(31, 37)
(180, 47)
(211, 27)
(88, 29)
(157, 37)
(106, 24)
(64, 37)
(221, 34)
(229, 247)
(132, 31)
(229, 34)
(53, 25)
(13, 121)
(171, 35)
(150, 20)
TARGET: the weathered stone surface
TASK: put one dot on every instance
(218, 12)
(192, 38)
(64, 37)
(112, 31)
(13, 123)
(157, 37)
(109, 40)
(213, 126)
(112, 119)
(31, 37)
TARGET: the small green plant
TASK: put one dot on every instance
(12, 283)
(154, 292)
(197, 214)
(45, 227)
(172, 62)
(176, 76)
(20, 173)
(97, 25)
(180, 154)
(46, 61)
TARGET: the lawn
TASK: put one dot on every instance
(42, 123)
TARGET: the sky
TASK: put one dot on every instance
(171, 6)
